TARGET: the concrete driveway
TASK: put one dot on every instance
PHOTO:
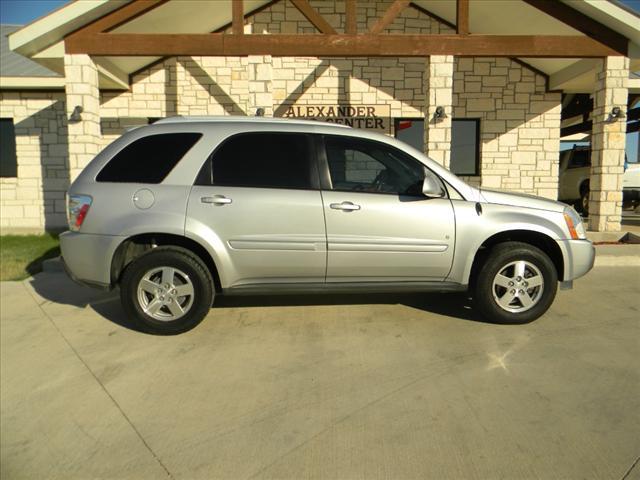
(399, 387)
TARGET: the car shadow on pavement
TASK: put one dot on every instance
(456, 305)
(58, 288)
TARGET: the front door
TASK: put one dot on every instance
(379, 225)
(257, 202)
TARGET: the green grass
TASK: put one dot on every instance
(22, 255)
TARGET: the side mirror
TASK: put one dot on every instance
(431, 187)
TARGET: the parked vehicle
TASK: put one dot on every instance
(575, 170)
(186, 209)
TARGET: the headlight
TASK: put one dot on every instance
(574, 224)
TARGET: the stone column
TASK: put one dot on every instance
(82, 90)
(607, 145)
(260, 84)
(438, 80)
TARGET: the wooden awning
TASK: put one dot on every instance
(99, 37)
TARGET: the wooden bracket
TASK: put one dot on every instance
(462, 17)
(237, 16)
(313, 16)
(389, 16)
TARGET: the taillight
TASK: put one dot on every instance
(77, 208)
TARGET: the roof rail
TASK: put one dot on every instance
(235, 119)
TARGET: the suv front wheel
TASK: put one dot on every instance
(584, 199)
(516, 284)
(167, 290)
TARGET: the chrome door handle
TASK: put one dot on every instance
(345, 206)
(216, 200)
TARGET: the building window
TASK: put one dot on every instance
(465, 142)
(465, 147)
(8, 159)
(411, 132)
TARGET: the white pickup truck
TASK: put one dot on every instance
(575, 168)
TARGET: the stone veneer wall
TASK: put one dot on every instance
(178, 86)
(519, 123)
(283, 17)
(35, 200)
(608, 145)
(81, 88)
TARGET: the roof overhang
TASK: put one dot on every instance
(52, 28)
(31, 83)
(43, 40)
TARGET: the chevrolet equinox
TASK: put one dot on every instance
(185, 209)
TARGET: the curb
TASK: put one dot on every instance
(621, 255)
(615, 261)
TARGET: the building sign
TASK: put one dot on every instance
(370, 117)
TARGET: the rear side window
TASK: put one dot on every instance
(580, 158)
(148, 159)
(262, 160)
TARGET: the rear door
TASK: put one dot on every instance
(258, 201)
(380, 227)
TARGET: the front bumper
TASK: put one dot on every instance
(579, 257)
(87, 257)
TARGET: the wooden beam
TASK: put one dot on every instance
(313, 16)
(120, 16)
(314, 45)
(351, 27)
(586, 127)
(583, 24)
(579, 105)
(389, 16)
(237, 15)
(462, 17)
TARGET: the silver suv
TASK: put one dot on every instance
(185, 209)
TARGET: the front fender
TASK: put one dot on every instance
(473, 229)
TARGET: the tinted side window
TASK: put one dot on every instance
(364, 166)
(264, 160)
(148, 159)
(580, 158)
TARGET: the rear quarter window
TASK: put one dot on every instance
(148, 159)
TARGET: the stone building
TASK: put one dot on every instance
(476, 84)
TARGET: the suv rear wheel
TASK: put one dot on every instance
(516, 284)
(167, 290)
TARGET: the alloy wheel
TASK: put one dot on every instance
(165, 293)
(518, 286)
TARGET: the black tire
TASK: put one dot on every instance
(486, 295)
(197, 304)
(584, 199)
